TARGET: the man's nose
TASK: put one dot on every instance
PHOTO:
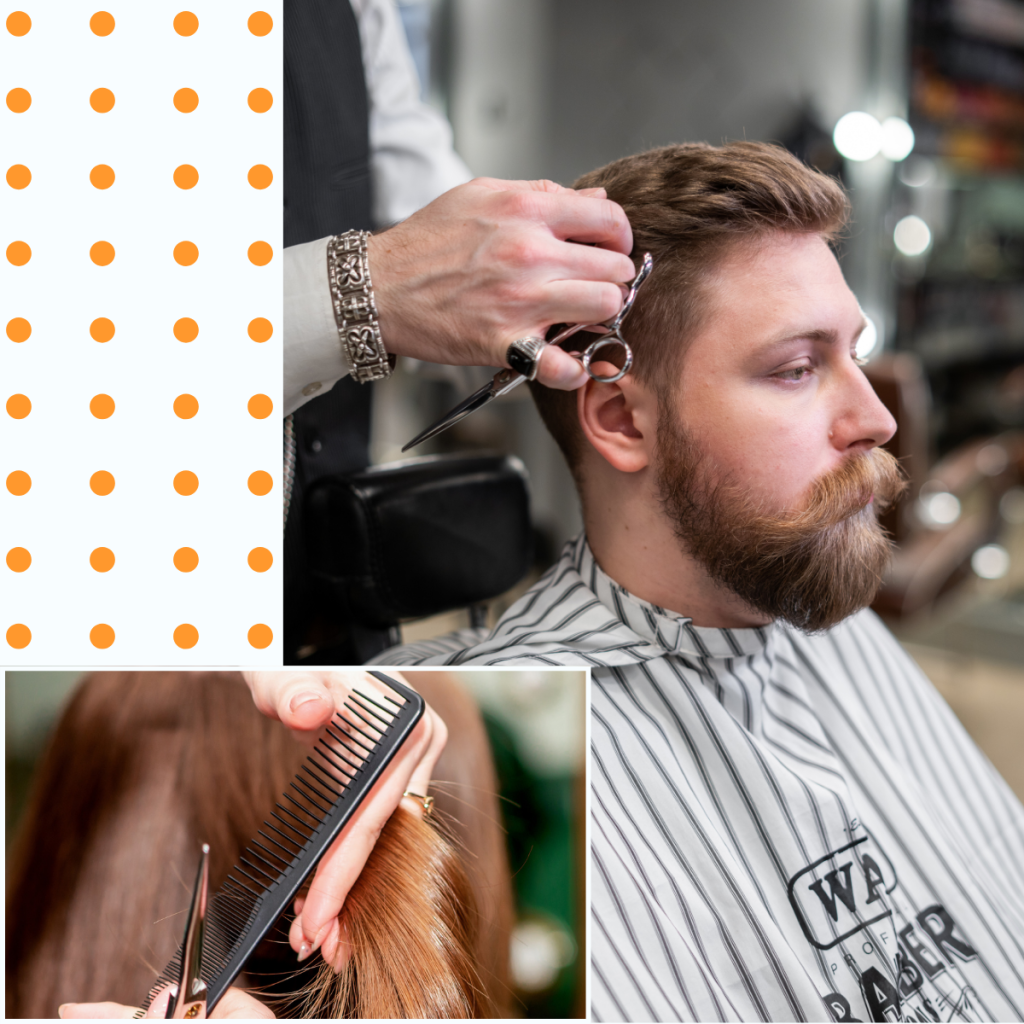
(863, 421)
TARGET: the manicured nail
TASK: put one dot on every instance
(60, 1010)
(303, 698)
(305, 949)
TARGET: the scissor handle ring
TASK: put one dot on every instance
(594, 347)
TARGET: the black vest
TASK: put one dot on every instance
(326, 191)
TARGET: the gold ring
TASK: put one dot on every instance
(427, 801)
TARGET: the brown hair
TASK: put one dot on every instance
(142, 767)
(687, 205)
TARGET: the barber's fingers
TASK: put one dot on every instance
(238, 1005)
(95, 1011)
(317, 926)
(301, 700)
(560, 370)
(419, 782)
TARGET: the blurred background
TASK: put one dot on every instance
(536, 722)
(918, 106)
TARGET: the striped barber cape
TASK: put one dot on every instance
(784, 827)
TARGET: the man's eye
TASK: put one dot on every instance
(794, 373)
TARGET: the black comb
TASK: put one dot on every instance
(348, 759)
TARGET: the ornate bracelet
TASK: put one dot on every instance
(348, 273)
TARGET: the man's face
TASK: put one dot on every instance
(766, 461)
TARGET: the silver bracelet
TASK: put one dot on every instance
(348, 273)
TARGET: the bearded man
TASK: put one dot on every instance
(788, 823)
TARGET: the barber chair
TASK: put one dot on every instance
(408, 540)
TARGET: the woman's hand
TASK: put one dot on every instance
(305, 702)
(234, 1005)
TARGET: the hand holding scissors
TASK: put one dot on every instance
(524, 357)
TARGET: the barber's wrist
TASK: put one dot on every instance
(355, 308)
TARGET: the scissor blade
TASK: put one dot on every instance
(188, 997)
(503, 381)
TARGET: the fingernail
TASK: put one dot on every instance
(303, 698)
(305, 949)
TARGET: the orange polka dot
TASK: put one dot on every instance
(19, 636)
(186, 329)
(19, 483)
(101, 636)
(19, 100)
(260, 636)
(185, 407)
(101, 100)
(102, 254)
(102, 176)
(260, 329)
(260, 406)
(260, 253)
(102, 23)
(260, 176)
(101, 559)
(260, 23)
(101, 329)
(102, 407)
(260, 100)
(19, 329)
(185, 23)
(18, 23)
(185, 559)
(186, 482)
(19, 253)
(19, 176)
(186, 636)
(260, 559)
(186, 100)
(18, 559)
(186, 176)
(101, 483)
(186, 253)
(260, 482)
(18, 407)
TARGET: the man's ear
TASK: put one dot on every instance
(619, 420)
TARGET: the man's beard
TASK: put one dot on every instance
(811, 568)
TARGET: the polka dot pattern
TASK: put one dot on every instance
(169, 406)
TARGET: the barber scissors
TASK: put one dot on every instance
(524, 356)
(188, 998)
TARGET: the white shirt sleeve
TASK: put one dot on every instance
(412, 162)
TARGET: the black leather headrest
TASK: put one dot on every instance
(418, 537)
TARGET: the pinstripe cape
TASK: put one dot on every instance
(784, 827)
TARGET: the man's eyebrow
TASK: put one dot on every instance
(825, 335)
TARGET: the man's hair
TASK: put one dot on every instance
(687, 205)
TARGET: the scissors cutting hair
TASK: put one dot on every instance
(524, 359)
(188, 998)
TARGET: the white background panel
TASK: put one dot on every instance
(60, 444)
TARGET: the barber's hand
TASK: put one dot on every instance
(305, 702)
(234, 1005)
(492, 261)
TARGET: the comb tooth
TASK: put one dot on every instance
(391, 700)
(309, 828)
(291, 853)
(370, 725)
(328, 782)
(325, 781)
(242, 885)
(364, 700)
(313, 789)
(306, 811)
(255, 881)
(270, 853)
(301, 845)
(345, 739)
(272, 877)
(366, 736)
(305, 796)
(330, 772)
(338, 753)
